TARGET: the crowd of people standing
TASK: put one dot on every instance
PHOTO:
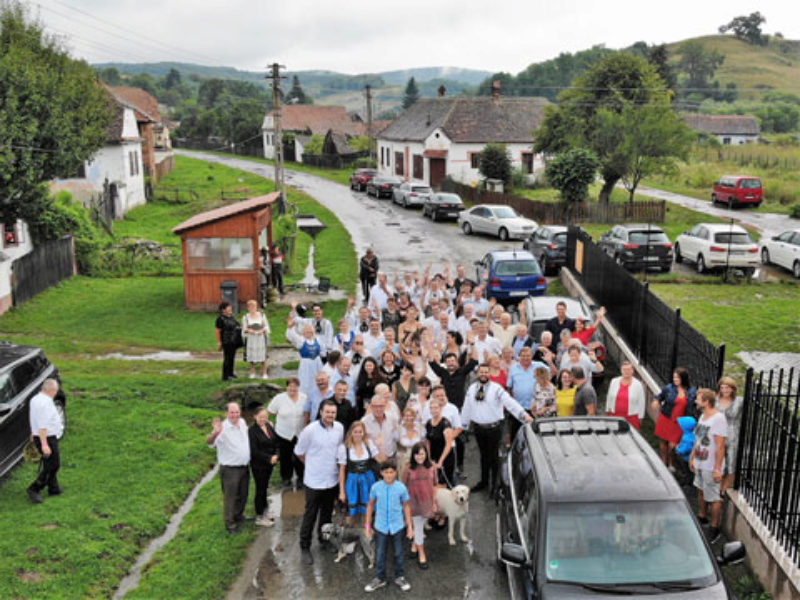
(383, 403)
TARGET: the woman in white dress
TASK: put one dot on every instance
(255, 328)
(310, 348)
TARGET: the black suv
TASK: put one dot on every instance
(23, 369)
(549, 245)
(639, 246)
(588, 509)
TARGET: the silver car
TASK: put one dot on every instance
(411, 194)
(496, 219)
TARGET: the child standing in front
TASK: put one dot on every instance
(388, 501)
(420, 479)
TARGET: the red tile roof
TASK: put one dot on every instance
(317, 119)
(145, 105)
(223, 212)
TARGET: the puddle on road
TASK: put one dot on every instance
(131, 580)
(164, 355)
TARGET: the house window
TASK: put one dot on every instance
(726, 141)
(11, 234)
(527, 162)
(475, 160)
(131, 165)
(382, 149)
(418, 169)
(136, 162)
(220, 254)
(398, 164)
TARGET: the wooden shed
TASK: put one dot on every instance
(222, 245)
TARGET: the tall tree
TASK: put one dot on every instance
(698, 64)
(296, 95)
(173, 79)
(747, 28)
(411, 94)
(658, 56)
(570, 173)
(53, 116)
(495, 163)
(610, 86)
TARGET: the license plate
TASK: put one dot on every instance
(522, 293)
(652, 258)
(737, 251)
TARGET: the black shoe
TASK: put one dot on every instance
(234, 530)
(233, 377)
(34, 496)
(478, 487)
(307, 557)
(703, 520)
(713, 535)
(423, 564)
(56, 491)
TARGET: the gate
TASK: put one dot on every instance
(48, 264)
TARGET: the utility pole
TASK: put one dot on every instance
(275, 76)
(368, 90)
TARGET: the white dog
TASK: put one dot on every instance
(345, 539)
(455, 505)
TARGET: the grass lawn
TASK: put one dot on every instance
(748, 316)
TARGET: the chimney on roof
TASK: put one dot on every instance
(496, 89)
(442, 91)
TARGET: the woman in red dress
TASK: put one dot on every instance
(496, 372)
(625, 397)
(673, 402)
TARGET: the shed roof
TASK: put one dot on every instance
(469, 119)
(224, 212)
(723, 124)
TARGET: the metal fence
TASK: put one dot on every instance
(650, 211)
(768, 466)
(656, 333)
(45, 266)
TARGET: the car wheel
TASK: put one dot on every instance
(503, 234)
(434, 216)
(467, 228)
(796, 269)
(678, 255)
(764, 256)
(701, 264)
(619, 261)
(666, 268)
(405, 202)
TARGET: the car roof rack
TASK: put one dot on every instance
(582, 428)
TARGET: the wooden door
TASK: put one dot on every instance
(436, 170)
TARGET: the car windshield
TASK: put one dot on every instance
(625, 543)
(560, 238)
(450, 198)
(750, 184)
(655, 237)
(517, 268)
(504, 212)
(733, 237)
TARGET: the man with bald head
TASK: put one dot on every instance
(230, 439)
(46, 430)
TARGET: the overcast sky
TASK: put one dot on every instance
(352, 36)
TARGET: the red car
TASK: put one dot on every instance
(360, 179)
(738, 189)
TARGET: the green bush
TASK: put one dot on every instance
(795, 212)
(519, 179)
(63, 216)
(365, 162)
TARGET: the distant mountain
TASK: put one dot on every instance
(422, 74)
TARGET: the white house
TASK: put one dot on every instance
(440, 137)
(730, 130)
(305, 120)
(16, 243)
(119, 163)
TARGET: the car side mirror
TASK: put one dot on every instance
(478, 263)
(732, 552)
(513, 554)
(775, 238)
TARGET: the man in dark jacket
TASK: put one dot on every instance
(368, 272)
(559, 322)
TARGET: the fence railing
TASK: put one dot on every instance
(46, 265)
(333, 161)
(646, 211)
(768, 465)
(656, 333)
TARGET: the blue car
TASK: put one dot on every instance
(511, 275)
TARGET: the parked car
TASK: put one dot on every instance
(587, 509)
(734, 190)
(496, 219)
(510, 275)
(783, 250)
(639, 246)
(717, 245)
(549, 245)
(382, 186)
(411, 194)
(360, 178)
(442, 205)
(23, 369)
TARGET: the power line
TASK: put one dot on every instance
(99, 45)
(29, 148)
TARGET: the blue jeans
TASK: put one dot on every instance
(381, 541)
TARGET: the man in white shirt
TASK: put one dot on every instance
(46, 430)
(315, 398)
(480, 303)
(486, 345)
(382, 428)
(357, 354)
(359, 320)
(343, 373)
(464, 322)
(483, 408)
(230, 439)
(317, 447)
(379, 294)
(373, 340)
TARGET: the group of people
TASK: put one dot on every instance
(383, 402)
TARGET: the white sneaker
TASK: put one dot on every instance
(265, 377)
(266, 521)
(252, 375)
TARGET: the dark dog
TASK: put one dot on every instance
(345, 539)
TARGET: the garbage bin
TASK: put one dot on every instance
(229, 290)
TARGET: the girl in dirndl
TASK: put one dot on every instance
(355, 471)
(255, 328)
(310, 348)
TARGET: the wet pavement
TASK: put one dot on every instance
(274, 568)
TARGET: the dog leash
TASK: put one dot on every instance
(446, 480)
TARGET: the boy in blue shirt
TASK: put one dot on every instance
(388, 501)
